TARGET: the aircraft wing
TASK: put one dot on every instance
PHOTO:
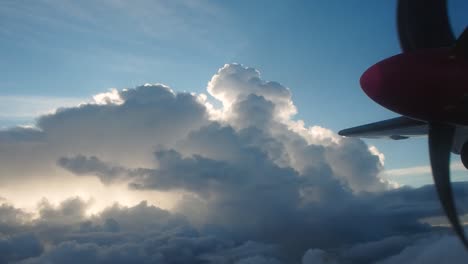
(395, 128)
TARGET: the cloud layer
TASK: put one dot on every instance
(253, 184)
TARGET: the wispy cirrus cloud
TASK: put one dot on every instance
(420, 175)
(139, 22)
(419, 170)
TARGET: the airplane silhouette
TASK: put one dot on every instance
(428, 85)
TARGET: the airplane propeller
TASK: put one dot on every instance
(440, 143)
(424, 24)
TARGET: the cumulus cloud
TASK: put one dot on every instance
(317, 256)
(138, 234)
(17, 247)
(431, 250)
(254, 185)
(234, 83)
(82, 165)
(435, 247)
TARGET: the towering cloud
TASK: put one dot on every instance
(248, 183)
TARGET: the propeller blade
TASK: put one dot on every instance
(440, 144)
(423, 24)
(461, 45)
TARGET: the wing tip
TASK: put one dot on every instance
(342, 132)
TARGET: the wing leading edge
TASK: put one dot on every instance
(395, 128)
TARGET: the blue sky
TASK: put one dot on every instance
(58, 53)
